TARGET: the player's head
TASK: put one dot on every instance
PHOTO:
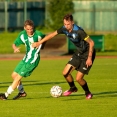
(68, 21)
(29, 27)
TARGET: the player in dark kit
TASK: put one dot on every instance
(81, 60)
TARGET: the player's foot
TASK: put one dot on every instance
(20, 95)
(2, 96)
(89, 96)
(71, 90)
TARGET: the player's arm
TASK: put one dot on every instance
(91, 48)
(16, 44)
(46, 38)
(86, 38)
(15, 48)
(43, 45)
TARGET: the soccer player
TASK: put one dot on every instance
(82, 58)
(28, 63)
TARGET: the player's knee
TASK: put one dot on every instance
(13, 76)
(66, 73)
(78, 80)
(63, 73)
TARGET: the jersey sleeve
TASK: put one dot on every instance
(40, 35)
(83, 34)
(60, 30)
(18, 40)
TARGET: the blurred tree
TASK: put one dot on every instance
(56, 9)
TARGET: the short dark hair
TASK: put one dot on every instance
(29, 22)
(68, 17)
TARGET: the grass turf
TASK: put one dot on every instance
(101, 79)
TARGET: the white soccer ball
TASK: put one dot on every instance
(56, 91)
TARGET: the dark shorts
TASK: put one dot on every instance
(79, 61)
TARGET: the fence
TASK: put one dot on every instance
(13, 14)
(96, 15)
(92, 15)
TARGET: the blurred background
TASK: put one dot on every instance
(97, 17)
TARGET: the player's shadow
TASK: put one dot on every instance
(32, 83)
(99, 94)
(105, 94)
(42, 83)
(6, 84)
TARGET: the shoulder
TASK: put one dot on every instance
(80, 31)
(23, 32)
(39, 33)
(76, 27)
(61, 30)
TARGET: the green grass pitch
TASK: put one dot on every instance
(102, 81)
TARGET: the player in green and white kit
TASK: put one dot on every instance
(28, 63)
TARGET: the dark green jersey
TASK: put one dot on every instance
(32, 54)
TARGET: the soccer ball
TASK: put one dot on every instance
(56, 91)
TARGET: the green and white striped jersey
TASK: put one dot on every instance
(32, 54)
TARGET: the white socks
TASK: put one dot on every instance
(9, 91)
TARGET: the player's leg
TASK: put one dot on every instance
(82, 70)
(27, 70)
(83, 84)
(17, 71)
(11, 88)
(19, 86)
(67, 74)
(16, 81)
(21, 93)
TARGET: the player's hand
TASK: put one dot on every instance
(35, 44)
(89, 62)
(16, 50)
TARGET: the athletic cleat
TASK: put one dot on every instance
(2, 96)
(71, 90)
(20, 95)
(89, 96)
